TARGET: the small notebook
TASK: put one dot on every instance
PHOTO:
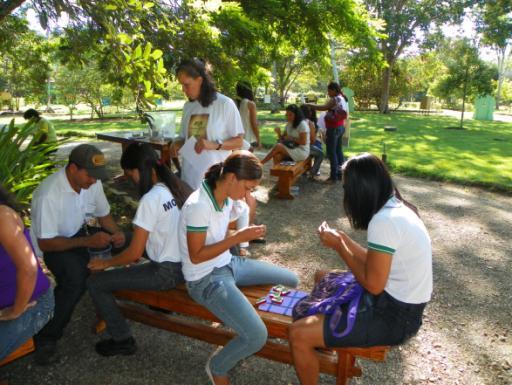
(289, 301)
(287, 163)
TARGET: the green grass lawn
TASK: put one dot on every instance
(481, 154)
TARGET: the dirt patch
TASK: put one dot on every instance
(465, 338)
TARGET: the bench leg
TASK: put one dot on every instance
(346, 368)
(283, 186)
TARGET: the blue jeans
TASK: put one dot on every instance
(334, 150)
(318, 156)
(218, 292)
(16, 332)
(147, 276)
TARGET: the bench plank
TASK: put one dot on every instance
(189, 320)
(27, 348)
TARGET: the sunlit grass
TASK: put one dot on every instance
(481, 154)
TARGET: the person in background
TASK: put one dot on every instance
(212, 273)
(334, 131)
(60, 207)
(395, 270)
(43, 131)
(315, 149)
(26, 298)
(155, 230)
(247, 108)
(294, 143)
(209, 116)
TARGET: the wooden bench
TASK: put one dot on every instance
(27, 348)
(336, 362)
(288, 175)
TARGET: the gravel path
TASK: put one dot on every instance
(466, 337)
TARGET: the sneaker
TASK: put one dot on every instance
(111, 347)
(46, 354)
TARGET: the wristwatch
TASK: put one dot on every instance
(219, 144)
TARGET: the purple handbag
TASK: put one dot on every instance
(327, 297)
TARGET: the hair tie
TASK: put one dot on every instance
(159, 162)
(221, 164)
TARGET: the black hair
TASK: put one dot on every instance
(336, 88)
(31, 113)
(143, 157)
(299, 116)
(244, 91)
(309, 113)
(368, 186)
(7, 199)
(244, 164)
(196, 68)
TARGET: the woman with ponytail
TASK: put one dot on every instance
(155, 231)
(212, 273)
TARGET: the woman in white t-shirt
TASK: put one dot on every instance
(210, 119)
(294, 143)
(155, 231)
(395, 270)
(247, 109)
(212, 273)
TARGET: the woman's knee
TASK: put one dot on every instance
(258, 337)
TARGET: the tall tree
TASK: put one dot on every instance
(403, 19)
(495, 23)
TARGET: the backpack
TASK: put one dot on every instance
(335, 117)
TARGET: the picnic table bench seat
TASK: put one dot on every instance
(27, 348)
(188, 318)
(288, 176)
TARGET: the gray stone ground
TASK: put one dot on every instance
(465, 338)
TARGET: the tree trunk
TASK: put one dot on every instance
(8, 7)
(386, 81)
(464, 97)
(501, 53)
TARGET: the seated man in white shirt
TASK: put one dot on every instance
(60, 206)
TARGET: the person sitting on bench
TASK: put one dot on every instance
(26, 298)
(294, 143)
(60, 207)
(155, 229)
(212, 273)
(395, 271)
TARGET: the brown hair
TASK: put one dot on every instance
(244, 164)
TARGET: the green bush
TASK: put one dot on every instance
(23, 165)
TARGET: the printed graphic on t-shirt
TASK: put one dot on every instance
(197, 125)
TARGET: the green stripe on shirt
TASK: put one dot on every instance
(383, 249)
(193, 229)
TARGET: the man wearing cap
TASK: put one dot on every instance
(60, 206)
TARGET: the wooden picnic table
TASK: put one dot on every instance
(126, 137)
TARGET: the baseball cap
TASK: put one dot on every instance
(91, 158)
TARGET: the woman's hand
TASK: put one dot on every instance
(118, 239)
(98, 264)
(250, 233)
(330, 238)
(8, 313)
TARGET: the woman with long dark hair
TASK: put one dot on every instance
(334, 128)
(394, 271)
(213, 275)
(247, 108)
(155, 231)
(294, 143)
(209, 118)
(26, 298)
(315, 148)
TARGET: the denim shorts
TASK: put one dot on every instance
(381, 320)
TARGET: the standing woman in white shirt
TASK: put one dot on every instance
(247, 108)
(210, 117)
(394, 270)
(213, 275)
(155, 230)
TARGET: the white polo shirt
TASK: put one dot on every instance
(219, 121)
(59, 211)
(159, 215)
(201, 213)
(396, 230)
